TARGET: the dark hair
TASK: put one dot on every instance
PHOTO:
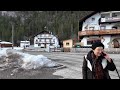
(97, 44)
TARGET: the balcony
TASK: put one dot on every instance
(44, 37)
(98, 32)
(110, 19)
(45, 42)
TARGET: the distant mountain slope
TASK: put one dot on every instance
(63, 24)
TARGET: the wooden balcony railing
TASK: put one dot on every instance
(98, 32)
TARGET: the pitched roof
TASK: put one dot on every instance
(42, 32)
(4, 42)
(86, 17)
(91, 14)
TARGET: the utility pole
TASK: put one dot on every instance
(12, 35)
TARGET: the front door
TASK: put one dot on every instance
(116, 43)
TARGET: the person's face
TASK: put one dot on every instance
(98, 51)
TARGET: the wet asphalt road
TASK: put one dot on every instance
(72, 63)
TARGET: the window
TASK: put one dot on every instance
(47, 40)
(93, 19)
(102, 27)
(39, 44)
(114, 15)
(91, 28)
(86, 27)
(36, 41)
(67, 44)
(114, 27)
(90, 42)
(51, 44)
(102, 16)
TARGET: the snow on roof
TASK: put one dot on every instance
(4, 42)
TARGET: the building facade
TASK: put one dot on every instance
(45, 39)
(100, 26)
(5, 44)
(24, 44)
(68, 43)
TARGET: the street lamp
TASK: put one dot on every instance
(12, 23)
(12, 34)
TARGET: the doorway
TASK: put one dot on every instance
(116, 43)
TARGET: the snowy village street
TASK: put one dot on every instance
(52, 44)
(70, 67)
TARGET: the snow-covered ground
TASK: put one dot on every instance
(25, 60)
(16, 48)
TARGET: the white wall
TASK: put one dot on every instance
(24, 43)
(35, 45)
(56, 41)
(84, 41)
(90, 23)
(107, 40)
(46, 36)
(95, 24)
(118, 40)
(108, 26)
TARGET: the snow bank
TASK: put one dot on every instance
(3, 52)
(28, 61)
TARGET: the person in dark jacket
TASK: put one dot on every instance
(97, 63)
